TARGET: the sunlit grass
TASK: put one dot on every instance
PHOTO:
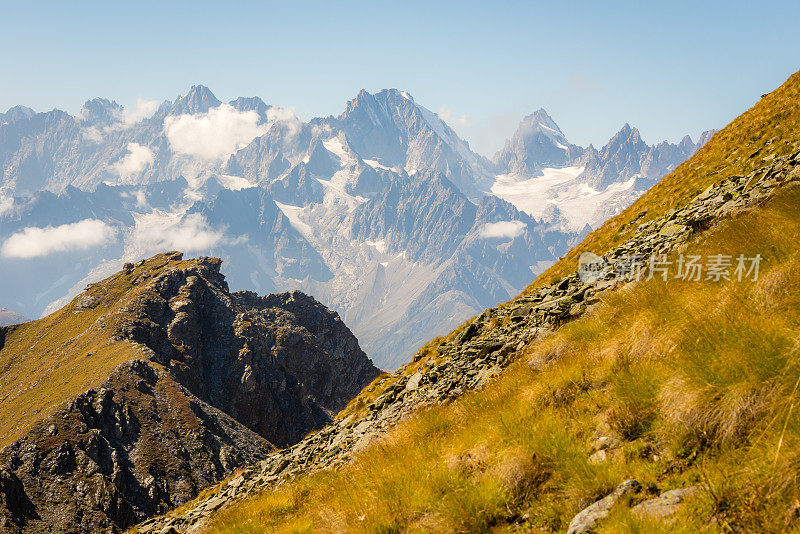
(697, 380)
(46, 362)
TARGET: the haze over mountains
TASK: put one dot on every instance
(383, 213)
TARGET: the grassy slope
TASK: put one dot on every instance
(699, 381)
(49, 361)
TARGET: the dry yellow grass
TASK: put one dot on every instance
(46, 362)
(696, 380)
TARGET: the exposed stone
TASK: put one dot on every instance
(588, 518)
(598, 457)
(665, 505)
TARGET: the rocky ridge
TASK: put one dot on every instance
(210, 381)
(483, 347)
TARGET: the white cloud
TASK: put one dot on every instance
(507, 229)
(215, 134)
(92, 134)
(137, 159)
(285, 117)
(139, 195)
(160, 231)
(34, 242)
(453, 119)
(144, 109)
(6, 204)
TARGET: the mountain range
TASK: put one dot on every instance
(382, 213)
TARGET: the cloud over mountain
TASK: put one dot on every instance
(137, 159)
(34, 242)
(508, 229)
(144, 109)
(164, 231)
(213, 135)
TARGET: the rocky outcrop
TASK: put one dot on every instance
(586, 520)
(215, 380)
(663, 507)
(485, 345)
(666, 505)
(275, 364)
(138, 445)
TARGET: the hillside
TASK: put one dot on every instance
(155, 383)
(623, 401)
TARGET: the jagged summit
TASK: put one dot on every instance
(100, 111)
(705, 137)
(17, 113)
(199, 99)
(389, 126)
(251, 103)
(537, 143)
(686, 143)
(543, 120)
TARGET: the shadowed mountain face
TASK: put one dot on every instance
(155, 383)
(380, 212)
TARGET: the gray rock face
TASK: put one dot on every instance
(252, 103)
(252, 213)
(136, 446)
(619, 158)
(17, 113)
(276, 364)
(391, 128)
(539, 143)
(199, 99)
(626, 156)
(665, 505)
(590, 516)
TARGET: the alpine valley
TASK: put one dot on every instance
(383, 213)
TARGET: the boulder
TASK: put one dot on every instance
(587, 518)
(665, 505)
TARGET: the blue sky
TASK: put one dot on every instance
(668, 68)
